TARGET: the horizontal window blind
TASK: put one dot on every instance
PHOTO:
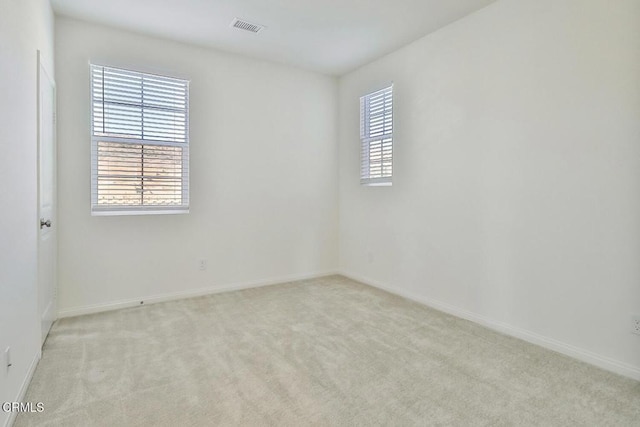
(376, 137)
(140, 142)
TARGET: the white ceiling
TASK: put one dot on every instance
(328, 36)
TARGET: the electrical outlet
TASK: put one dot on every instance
(7, 358)
(202, 264)
(635, 324)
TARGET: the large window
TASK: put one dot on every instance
(139, 142)
(376, 137)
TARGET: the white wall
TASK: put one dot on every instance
(515, 197)
(25, 27)
(263, 175)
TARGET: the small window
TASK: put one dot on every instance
(139, 142)
(376, 137)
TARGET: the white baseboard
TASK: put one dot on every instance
(133, 302)
(46, 320)
(23, 388)
(532, 337)
(583, 355)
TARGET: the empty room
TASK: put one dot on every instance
(331, 213)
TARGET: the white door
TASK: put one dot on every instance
(47, 245)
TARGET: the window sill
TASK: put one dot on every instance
(377, 184)
(127, 212)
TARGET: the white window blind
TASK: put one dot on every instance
(376, 137)
(139, 142)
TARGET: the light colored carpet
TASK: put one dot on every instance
(326, 351)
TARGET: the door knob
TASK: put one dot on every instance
(44, 223)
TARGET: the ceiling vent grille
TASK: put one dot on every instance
(247, 26)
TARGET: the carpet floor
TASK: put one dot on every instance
(326, 351)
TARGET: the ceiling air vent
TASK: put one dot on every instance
(247, 26)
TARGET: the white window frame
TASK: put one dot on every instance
(96, 137)
(376, 137)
